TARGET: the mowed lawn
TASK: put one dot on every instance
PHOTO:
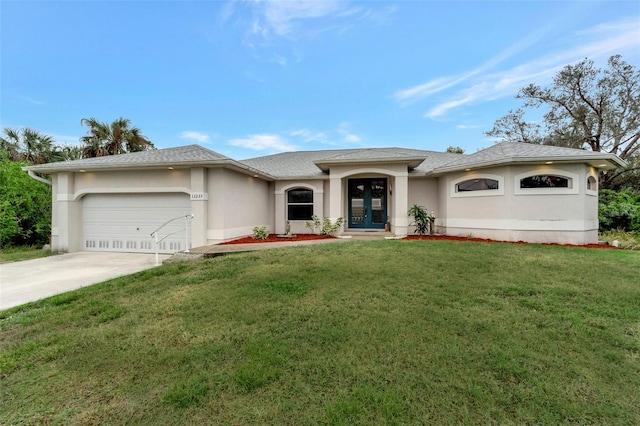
(387, 332)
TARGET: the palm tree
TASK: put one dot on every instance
(115, 138)
(28, 145)
(10, 144)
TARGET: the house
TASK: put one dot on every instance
(510, 191)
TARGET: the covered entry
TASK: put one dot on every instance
(367, 203)
(124, 222)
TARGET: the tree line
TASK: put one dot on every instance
(117, 137)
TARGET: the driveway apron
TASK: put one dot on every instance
(31, 280)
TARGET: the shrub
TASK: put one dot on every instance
(422, 220)
(324, 226)
(619, 210)
(260, 233)
(25, 207)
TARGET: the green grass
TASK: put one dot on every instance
(388, 332)
(16, 254)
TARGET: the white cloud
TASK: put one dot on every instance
(31, 100)
(308, 136)
(64, 140)
(281, 16)
(347, 135)
(293, 20)
(468, 126)
(196, 136)
(481, 84)
(263, 142)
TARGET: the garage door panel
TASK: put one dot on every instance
(124, 222)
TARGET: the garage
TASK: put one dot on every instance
(124, 222)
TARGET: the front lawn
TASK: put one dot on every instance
(384, 332)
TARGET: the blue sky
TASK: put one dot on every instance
(251, 78)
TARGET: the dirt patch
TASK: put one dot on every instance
(273, 238)
(484, 240)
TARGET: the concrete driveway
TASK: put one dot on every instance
(31, 280)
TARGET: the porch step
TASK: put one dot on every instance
(368, 235)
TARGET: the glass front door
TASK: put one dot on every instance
(367, 203)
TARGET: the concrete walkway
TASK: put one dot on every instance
(31, 280)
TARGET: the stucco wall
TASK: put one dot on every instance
(545, 215)
(280, 204)
(424, 192)
(161, 180)
(237, 203)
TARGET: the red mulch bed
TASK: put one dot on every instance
(484, 240)
(273, 238)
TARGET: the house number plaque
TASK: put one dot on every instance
(201, 196)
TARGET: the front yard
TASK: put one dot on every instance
(386, 332)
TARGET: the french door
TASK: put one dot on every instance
(367, 203)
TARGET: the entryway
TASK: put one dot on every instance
(367, 203)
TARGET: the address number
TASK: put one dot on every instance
(198, 196)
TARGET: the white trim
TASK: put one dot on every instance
(286, 188)
(485, 193)
(132, 190)
(588, 191)
(574, 183)
(351, 173)
(521, 225)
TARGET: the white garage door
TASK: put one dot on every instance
(124, 222)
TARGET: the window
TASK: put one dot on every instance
(299, 204)
(592, 184)
(544, 181)
(547, 182)
(477, 185)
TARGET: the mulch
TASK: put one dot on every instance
(485, 240)
(273, 238)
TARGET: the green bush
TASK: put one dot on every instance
(422, 220)
(324, 226)
(25, 207)
(260, 233)
(619, 210)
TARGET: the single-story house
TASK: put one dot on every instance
(509, 191)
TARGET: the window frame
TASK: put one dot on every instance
(591, 191)
(479, 193)
(287, 203)
(572, 178)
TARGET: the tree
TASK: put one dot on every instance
(29, 145)
(455, 150)
(25, 206)
(587, 107)
(111, 139)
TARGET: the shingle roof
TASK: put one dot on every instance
(301, 164)
(191, 154)
(305, 164)
(514, 152)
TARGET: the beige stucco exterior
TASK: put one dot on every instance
(228, 199)
(562, 215)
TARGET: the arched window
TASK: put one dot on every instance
(592, 184)
(299, 204)
(477, 185)
(545, 181)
